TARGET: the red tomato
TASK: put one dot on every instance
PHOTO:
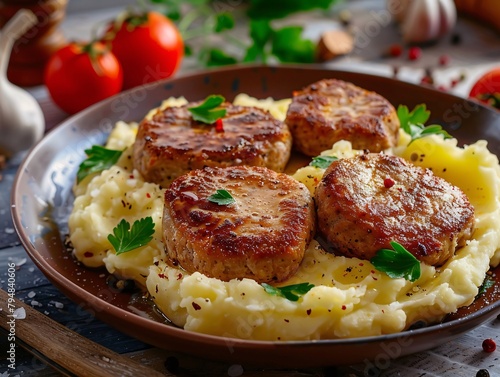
(79, 75)
(149, 48)
(487, 88)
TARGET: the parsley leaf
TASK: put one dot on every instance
(99, 159)
(397, 263)
(488, 282)
(283, 8)
(290, 292)
(217, 57)
(290, 47)
(222, 198)
(419, 115)
(209, 111)
(260, 33)
(125, 239)
(322, 162)
(287, 43)
(413, 123)
(224, 21)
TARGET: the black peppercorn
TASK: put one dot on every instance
(172, 364)
(483, 373)
(456, 39)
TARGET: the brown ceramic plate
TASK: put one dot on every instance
(42, 200)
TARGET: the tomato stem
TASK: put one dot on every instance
(130, 18)
(94, 50)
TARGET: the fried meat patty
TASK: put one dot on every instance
(173, 143)
(367, 201)
(262, 235)
(331, 110)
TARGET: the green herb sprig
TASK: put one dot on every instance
(412, 122)
(125, 239)
(98, 159)
(222, 198)
(206, 19)
(397, 263)
(322, 162)
(488, 282)
(290, 292)
(208, 111)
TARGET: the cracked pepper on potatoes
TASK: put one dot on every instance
(350, 297)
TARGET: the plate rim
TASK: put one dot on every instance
(59, 280)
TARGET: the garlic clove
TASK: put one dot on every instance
(421, 22)
(448, 16)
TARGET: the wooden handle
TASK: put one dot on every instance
(65, 347)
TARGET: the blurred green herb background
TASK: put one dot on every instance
(200, 20)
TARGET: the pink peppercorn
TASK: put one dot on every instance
(219, 127)
(426, 80)
(414, 53)
(388, 183)
(489, 345)
(444, 60)
(454, 82)
(395, 50)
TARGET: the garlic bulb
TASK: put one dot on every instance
(21, 119)
(424, 20)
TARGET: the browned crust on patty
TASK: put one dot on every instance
(331, 110)
(173, 143)
(262, 236)
(359, 214)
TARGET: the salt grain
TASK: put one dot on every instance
(94, 193)
(31, 294)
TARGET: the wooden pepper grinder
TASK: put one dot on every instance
(34, 48)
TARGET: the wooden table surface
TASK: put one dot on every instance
(464, 357)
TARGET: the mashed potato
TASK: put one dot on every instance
(350, 298)
(102, 200)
